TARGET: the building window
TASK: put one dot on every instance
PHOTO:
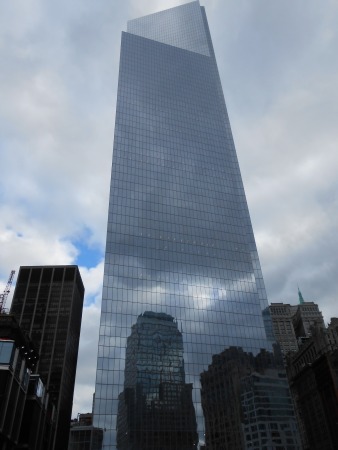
(6, 352)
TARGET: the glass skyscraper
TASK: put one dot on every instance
(179, 239)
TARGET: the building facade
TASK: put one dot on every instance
(83, 436)
(48, 303)
(179, 237)
(247, 403)
(38, 424)
(18, 358)
(292, 323)
(281, 315)
(269, 421)
(313, 377)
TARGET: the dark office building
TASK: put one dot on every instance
(47, 303)
(179, 238)
(155, 407)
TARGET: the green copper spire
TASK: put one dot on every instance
(301, 300)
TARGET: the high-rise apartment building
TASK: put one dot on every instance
(179, 238)
(48, 303)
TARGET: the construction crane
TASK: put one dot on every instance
(4, 295)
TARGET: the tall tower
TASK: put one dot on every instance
(48, 303)
(179, 237)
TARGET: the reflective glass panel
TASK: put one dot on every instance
(182, 279)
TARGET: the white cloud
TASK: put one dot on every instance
(86, 368)
(139, 9)
(92, 279)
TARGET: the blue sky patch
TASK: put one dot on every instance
(89, 256)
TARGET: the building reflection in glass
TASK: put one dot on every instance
(247, 403)
(155, 408)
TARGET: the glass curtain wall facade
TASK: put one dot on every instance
(179, 238)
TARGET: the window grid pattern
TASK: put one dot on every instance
(179, 237)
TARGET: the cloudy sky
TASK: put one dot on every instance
(58, 78)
